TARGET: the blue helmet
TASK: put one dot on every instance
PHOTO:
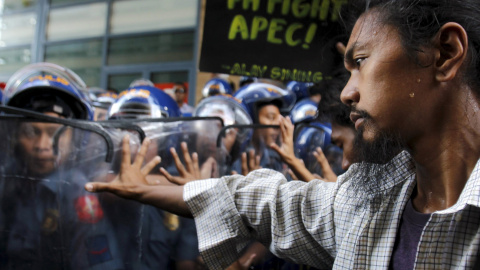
(230, 109)
(106, 99)
(233, 112)
(305, 109)
(91, 96)
(48, 87)
(299, 88)
(312, 135)
(144, 102)
(255, 94)
(244, 80)
(216, 86)
(141, 82)
(309, 137)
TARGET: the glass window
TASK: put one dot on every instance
(15, 5)
(170, 77)
(150, 15)
(12, 60)
(82, 21)
(120, 82)
(56, 2)
(84, 58)
(163, 47)
(90, 75)
(17, 29)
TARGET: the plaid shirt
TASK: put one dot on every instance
(342, 225)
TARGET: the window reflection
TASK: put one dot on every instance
(16, 5)
(120, 82)
(80, 21)
(169, 77)
(151, 15)
(84, 58)
(163, 47)
(56, 2)
(12, 60)
(17, 29)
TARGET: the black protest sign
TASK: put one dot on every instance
(276, 39)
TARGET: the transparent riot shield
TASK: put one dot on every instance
(100, 113)
(246, 138)
(198, 133)
(116, 131)
(166, 237)
(160, 238)
(47, 219)
(308, 136)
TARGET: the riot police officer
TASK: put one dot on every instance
(166, 241)
(49, 221)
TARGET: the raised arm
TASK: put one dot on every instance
(328, 174)
(286, 151)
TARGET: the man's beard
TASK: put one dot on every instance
(372, 155)
(384, 147)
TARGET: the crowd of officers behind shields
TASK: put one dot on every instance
(409, 199)
(58, 134)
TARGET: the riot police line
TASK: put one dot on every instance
(51, 147)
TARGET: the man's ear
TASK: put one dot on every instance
(451, 44)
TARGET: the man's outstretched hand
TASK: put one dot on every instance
(131, 176)
(131, 183)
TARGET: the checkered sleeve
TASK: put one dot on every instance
(294, 218)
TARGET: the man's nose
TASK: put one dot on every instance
(350, 94)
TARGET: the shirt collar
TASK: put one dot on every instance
(402, 168)
(470, 194)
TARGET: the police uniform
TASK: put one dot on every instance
(167, 239)
(154, 241)
(53, 223)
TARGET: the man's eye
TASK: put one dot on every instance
(359, 61)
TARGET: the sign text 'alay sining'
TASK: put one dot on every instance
(276, 73)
